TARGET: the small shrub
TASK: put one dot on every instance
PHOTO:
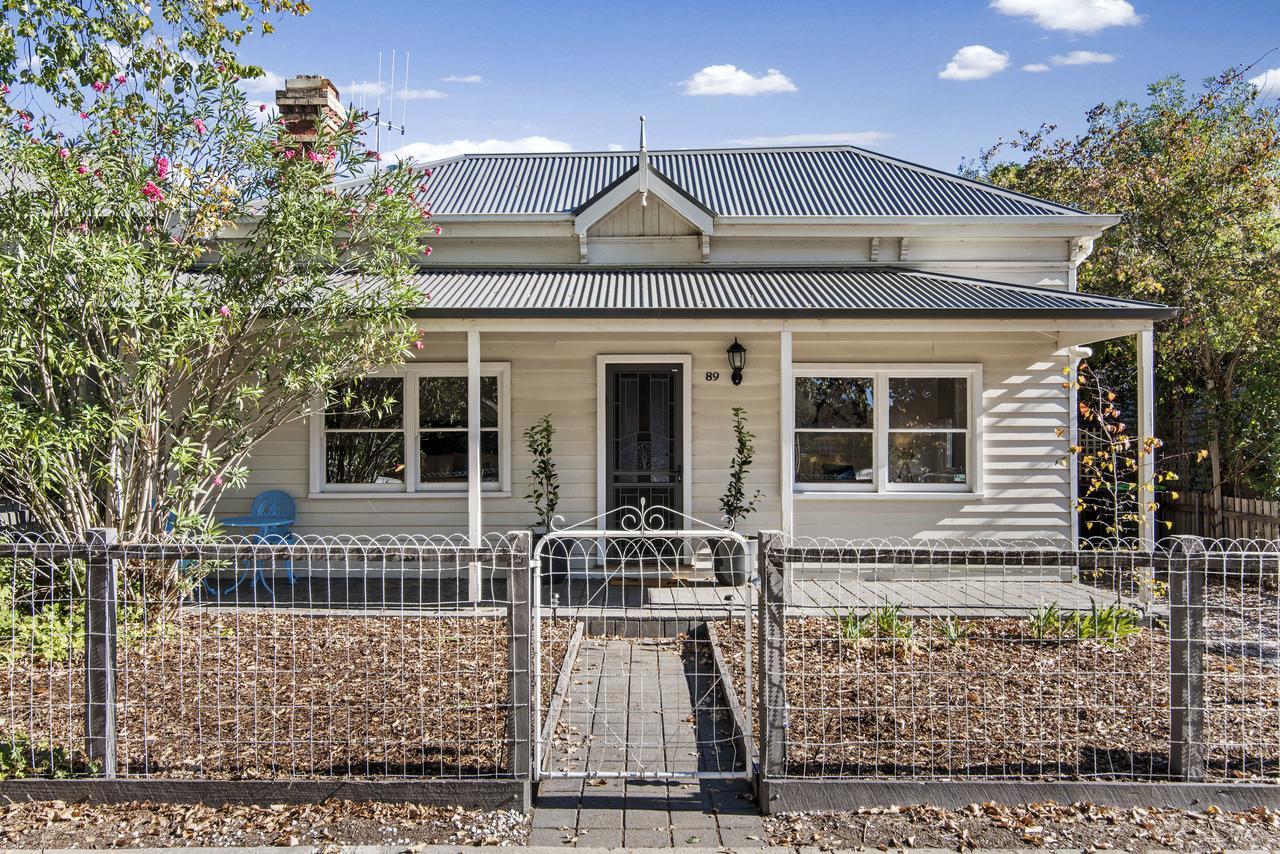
(954, 630)
(20, 758)
(1045, 621)
(1110, 624)
(854, 627)
(890, 623)
(52, 633)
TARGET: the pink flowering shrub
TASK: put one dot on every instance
(196, 355)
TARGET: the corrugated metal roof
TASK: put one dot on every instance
(772, 292)
(773, 182)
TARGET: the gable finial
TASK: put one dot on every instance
(644, 168)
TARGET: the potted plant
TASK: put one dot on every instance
(544, 492)
(732, 565)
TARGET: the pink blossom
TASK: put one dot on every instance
(120, 78)
(152, 192)
(99, 85)
(313, 157)
(439, 230)
(198, 124)
(387, 191)
(83, 227)
(225, 311)
(426, 251)
(4, 89)
(147, 228)
(26, 126)
(289, 154)
(115, 131)
(64, 153)
(262, 108)
(162, 167)
(426, 172)
(82, 169)
(83, 114)
(418, 345)
(217, 480)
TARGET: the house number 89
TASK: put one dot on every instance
(713, 376)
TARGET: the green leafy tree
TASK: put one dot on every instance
(178, 277)
(736, 503)
(1196, 177)
(544, 479)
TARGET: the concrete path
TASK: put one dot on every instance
(644, 706)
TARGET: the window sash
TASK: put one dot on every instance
(412, 433)
(881, 444)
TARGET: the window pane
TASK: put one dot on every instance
(929, 402)
(834, 402)
(442, 402)
(368, 403)
(364, 457)
(833, 458)
(444, 457)
(927, 457)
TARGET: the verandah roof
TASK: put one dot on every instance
(848, 292)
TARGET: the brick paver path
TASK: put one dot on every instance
(644, 705)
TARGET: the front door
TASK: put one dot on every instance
(643, 429)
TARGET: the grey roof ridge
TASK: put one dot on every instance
(888, 158)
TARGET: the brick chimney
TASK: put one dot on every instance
(306, 100)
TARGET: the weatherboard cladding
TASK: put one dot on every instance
(750, 292)
(780, 182)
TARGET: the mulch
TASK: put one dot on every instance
(55, 824)
(1080, 826)
(1003, 704)
(245, 695)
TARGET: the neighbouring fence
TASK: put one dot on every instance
(1007, 661)
(1193, 513)
(319, 658)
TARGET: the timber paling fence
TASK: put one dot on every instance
(401, 668)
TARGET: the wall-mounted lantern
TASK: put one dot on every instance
(737, 360)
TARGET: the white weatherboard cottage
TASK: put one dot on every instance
(905, 331)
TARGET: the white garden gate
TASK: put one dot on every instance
(642, 694)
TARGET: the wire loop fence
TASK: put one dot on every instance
(1019, 660)
(312, 658)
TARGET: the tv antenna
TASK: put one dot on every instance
(378, 121)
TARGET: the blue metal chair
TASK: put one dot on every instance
(275, 504)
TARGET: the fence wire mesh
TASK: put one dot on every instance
(318, 657)
(1019, 660)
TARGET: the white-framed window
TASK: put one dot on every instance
(887, 428)
(405, 431)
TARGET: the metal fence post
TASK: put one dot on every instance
(771, 700)
(100, 651)
(1187, 567)
(520, 656)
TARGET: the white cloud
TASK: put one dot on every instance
(374, 89)
(974, 62)
(1076, 16)
(865, 137)
(614, 146)
(1269, 82)
(424, 152)
(1082, 57)
(732, 80)
(462, 78)
(420, 94)
(267, 84)
(1036, 67)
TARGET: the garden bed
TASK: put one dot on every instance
(1003, 704)
(251, 695)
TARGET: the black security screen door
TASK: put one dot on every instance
(643, 431)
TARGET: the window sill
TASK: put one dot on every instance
(362, 496)
(888, 496)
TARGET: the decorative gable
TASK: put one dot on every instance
(641, 217)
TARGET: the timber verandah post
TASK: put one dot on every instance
(520, 641)
(771, 670)
(100, 651)
(1188, 564)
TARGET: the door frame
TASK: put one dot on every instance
(685, 361)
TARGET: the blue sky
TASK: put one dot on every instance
(932, 82)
